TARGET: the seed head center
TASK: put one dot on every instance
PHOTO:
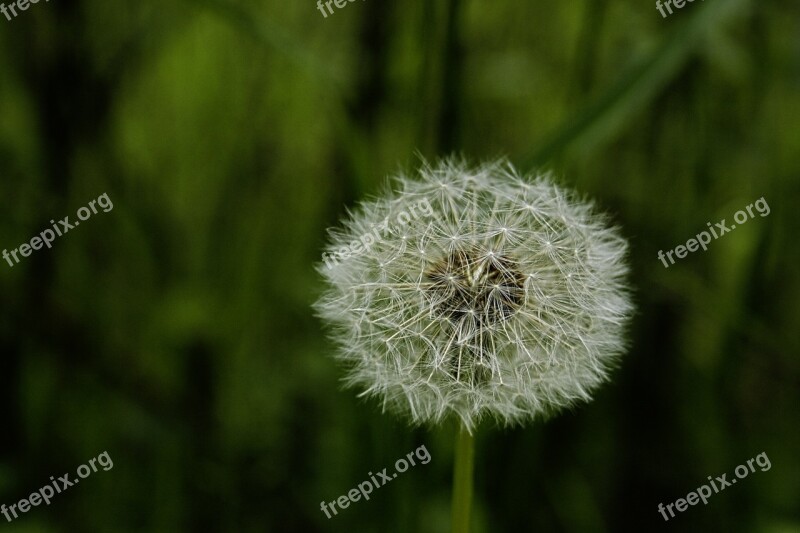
(471, 285)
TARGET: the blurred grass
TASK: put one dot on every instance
(175, 331)
(639, 85)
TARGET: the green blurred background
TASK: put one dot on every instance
(175, 332)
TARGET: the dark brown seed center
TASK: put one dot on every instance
(485, 287)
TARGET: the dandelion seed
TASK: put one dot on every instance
(509, 302)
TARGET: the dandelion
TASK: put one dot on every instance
(509, 301)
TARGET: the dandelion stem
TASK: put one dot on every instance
(462, 480)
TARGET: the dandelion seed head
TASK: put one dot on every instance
(507, 298)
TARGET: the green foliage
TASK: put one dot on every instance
(175, 332)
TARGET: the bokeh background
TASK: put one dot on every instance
(175, 332)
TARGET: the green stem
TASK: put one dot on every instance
(462, 480)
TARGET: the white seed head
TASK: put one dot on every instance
(475, 292)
